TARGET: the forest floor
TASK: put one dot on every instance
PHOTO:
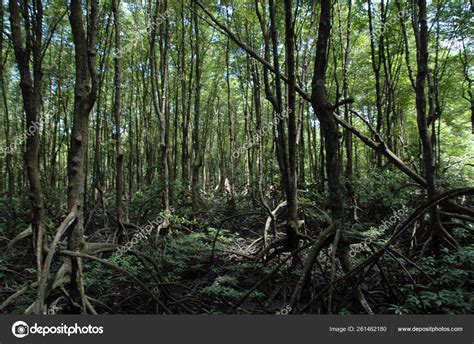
(206, 264)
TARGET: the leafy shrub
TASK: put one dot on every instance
(450, 290)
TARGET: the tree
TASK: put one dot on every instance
(85, 95)
(31, 18)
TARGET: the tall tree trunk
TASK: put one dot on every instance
(231, 128)
(428, 156)
(345, 47)
(196, 156)
(422, 75)
(8, 155)
(376, 68)
(85, 94)
(119, 186)
(291, 182)
(470, 94)
(323, 109)
(31, 89)
(185, 102)
(160, 93)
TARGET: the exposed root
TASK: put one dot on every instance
(278, 267)
(68, 221)
(24, 234)
(323, 240)
(17, 294)
(372, 259)
(271, 219)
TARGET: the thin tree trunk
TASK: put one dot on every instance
(323, 109)
(231, 128)
(376, 68)
(160, 104)
(85, 94)
(8, 154)
(291, 182)
(196, 157)
(119, 186)
(31, 90)
(428, 157)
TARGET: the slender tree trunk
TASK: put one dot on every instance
(31, 15)
(8, 154)
(345, 47)
(428, 157)
(119, 186)
(470, 94)
(323, 109)
(196, 157)
(231, 128)
(376, 68)
(160, 105)
(98, 176)
(85, 94)
(185, 103)
(291, 182)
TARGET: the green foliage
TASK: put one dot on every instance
(147, 201)
(450, 291)
(182, 254)
(218, 289)
(378, 188)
